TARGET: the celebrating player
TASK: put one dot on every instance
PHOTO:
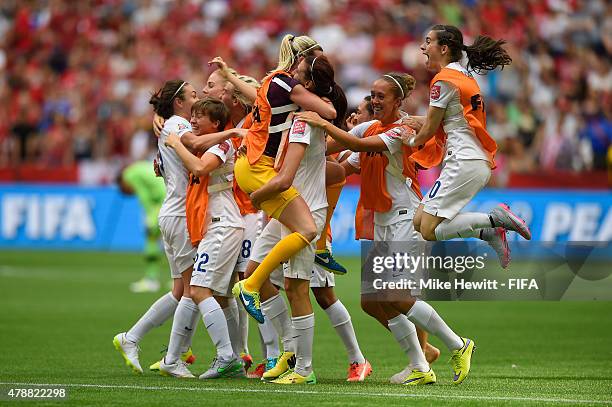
(456, 103)
(215, 223)
(390, 189)
(278, 96)
(173, 103)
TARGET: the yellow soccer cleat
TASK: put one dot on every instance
(285, 362)
(418, 378)
(461, 360)
(187, 357)
(129, 352)
(290, 377)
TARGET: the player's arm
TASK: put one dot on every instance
(199, 143)
(197, 166)
(351, 142)
(309, 101)
(333, 147)
(285, 177)
(247, 90)
(432, 122)
(349, 169)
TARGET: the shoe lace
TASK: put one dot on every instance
(270, 363)
(213, 363)
(353, 368)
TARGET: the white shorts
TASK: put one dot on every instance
(253, 225)
(177, 244)
(409, 241)
(321, 278)
(217, 253)
(301, 264)
(458, 183)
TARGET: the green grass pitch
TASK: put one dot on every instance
(60, 311)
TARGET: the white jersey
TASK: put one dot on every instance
(461, 141)
(405, 200)
(222, 208)
(174, 172)
(310, 176)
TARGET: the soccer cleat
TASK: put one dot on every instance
(357, 372)
(187, 357)
(290, 377)
(247, 360)
(461, 360)
(129, 351)
(219, 369)
(496, 238)
(417, 378)
(178, 369)
(503, 217)
(250, 300)
(145, 285)
(258, 372)
(325, 260)
(285, 362)
(399, 377)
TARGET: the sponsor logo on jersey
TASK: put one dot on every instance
(434, 94)
(181, 126)
(224, 147)
(299, 128)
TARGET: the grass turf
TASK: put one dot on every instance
(60, 312)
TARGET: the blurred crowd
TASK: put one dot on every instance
(76, 76)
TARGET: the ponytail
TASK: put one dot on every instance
(485, 54)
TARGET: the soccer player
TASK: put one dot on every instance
(278, 96)
(173, 103)
(317, 75)
(215, 224)
(139, 179)
(389, 189)
(456, 103)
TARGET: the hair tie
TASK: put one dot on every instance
(397, 83)
(331, 89)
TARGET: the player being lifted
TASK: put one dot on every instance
(304, 167)
(278, 96)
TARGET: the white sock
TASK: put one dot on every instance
(194, 324)
(185, 318)
(463, 225)
(156, 315)
(427, 318)
(243, 327)
(216, 325)
(276, 310)
(269, 338)
(405, 334)
(231, 316)
(341, 321)
(304, 329)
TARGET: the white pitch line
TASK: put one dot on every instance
(313, 392)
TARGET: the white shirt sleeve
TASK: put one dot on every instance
(441, 93)
(354, 160)
(392, 140)
(360, 129)
(300, 132)
(222, 150)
